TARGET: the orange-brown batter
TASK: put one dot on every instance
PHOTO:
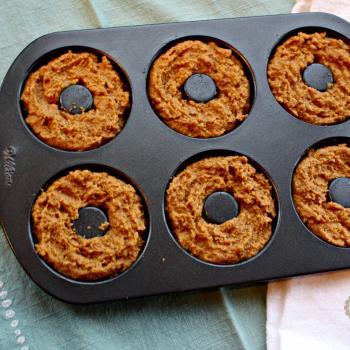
(304, 102)
(237, 239)
(213, 118)
(98, 257)
(328, 220)
(75, 132)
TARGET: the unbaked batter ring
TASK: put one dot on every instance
(76, 132)
(328, 220)
(98, 257)
(221, 114)
(237, 239)
(285, 72)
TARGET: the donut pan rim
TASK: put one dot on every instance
(270, 136)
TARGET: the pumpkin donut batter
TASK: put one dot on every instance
(77, 132)
(236, 239)
(213, 118)
(304, 102)
(328, 220)
(98, 257)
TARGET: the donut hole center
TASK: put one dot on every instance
(76, 99)
(318, 76)
(200, 88)
(92, 222)
(220, 207)
(339, 191)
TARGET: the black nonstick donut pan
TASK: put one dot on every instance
(147, 153)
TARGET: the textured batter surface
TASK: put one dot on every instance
(216, 117)
(328, 220)
(98, 257)
(237, 239)
(83, 131)
(304, 102)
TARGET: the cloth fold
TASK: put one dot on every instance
(309, 312)
(336, 7)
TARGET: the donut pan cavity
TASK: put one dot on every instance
(147, 153)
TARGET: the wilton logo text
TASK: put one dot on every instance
(9, 154)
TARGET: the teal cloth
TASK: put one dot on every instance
(228, 318)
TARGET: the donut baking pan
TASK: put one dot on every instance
(147, 153)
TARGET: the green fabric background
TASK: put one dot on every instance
(229, 318)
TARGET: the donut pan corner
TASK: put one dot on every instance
(148, 152)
